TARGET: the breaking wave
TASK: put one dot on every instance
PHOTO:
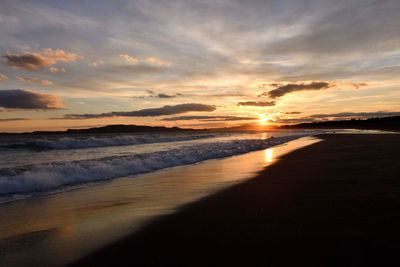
(92, 142)
(53, 176)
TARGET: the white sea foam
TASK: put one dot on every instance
(46, 177)
(91, 142)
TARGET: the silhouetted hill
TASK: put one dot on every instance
(118, 128)
(383, 123)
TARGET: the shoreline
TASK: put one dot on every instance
(333, 203)
(69, 225)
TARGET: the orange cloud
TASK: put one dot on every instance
(129, 58)
(158, 62)
(34, 61)
(3, 77)
(96, 63)
(57, 70)
(349, 84)
(151, 60)
(33, 80)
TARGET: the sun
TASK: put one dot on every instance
(263, 120)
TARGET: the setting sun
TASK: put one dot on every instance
(263, 120)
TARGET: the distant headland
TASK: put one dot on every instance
(382, 123)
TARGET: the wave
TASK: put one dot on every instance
(53, 176)
(92, 142)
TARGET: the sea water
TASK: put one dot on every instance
(66, 196)
(33, 165)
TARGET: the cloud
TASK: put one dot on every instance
(283, 89)
(137, 69)
(14, 119)
(338, 116)
(356, 114)
(3, 77)
(129, 58)
(210, 118)
(341, 32)
(151, 60)
(57, 70)
(296, 120)
(160, 95)
(158, 61)
(96, 63)
(294, 87)
(257, 104)
(292, 113)
(34, 61)
(33, 80)
(26, 99)
(165, 96)
(150, 112)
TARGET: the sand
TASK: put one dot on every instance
(334, 203)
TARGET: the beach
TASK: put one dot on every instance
(333, 203)
(55, 228)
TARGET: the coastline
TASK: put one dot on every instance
(72, 224)
(332, 203)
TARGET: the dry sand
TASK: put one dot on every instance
(334, 203)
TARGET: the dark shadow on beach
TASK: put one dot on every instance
(334, 203)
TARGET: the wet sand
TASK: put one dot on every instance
(57, 229)
(334, 203)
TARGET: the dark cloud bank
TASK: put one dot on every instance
(338, 116)
(294, 87)
(356, 114)
(14, 119)
(25, 61)
(25, 99)
(150, 112)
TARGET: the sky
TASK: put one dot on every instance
(196, 64)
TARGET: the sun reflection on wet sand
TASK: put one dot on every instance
(269, 155)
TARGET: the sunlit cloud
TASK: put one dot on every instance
(150, 60)
(57, 70)
(129, 58)
(158, 61)
(292, 113)
(33, 80)
(26, 99)
(292, 120)
(150, 112)
(34, 61)
(3, 77)
(257, 103)
(96, 63)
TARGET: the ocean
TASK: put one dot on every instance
(35, 165)
(69, 195)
